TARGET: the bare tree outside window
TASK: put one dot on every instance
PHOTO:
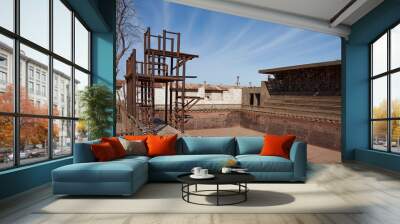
(127, 28)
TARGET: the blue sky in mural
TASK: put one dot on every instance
(231, 46)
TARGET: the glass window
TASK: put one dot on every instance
(44, 91)
(62, 75)
(62, 29)
(6, 74)
(395, 95)
(62, 137)
(379, 56)
(34, 79)
(395, 47)
(81, 82)
(395, 136)
(30, 71)
(6, 142)
(33, 139)
(81, 45)
(37, 89)
(385, 92)
(3, 61)
(379, 98)
(30, 87)
(35, 21)
(40, 62)
(379, 135)
(7, 14)
(81, 131)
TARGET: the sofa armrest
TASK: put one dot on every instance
(298, 155)
(83, 152)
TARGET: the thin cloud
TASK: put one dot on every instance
(229, 46)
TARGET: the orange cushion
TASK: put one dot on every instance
(103, 152)
(116, 145)
(277, 145)
(161, 145)
(135, 137)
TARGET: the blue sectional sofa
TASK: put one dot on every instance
(125, 176)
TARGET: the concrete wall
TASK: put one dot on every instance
(231, 96)
(262, 90)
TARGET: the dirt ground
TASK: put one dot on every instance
(315, 154)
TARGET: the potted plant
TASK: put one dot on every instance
(97, 104)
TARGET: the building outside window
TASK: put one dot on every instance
(43, 90)
(30, 87)
(34, 79)
(3, 72)
(30, 72)
(37, 75)
(385, 91)
(38, 89)
(43, 78)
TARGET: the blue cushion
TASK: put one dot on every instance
(207, 145)
(249, 145)
(83, 153)
(257, 163)
(185, 163)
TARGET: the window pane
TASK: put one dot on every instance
(395, 47)
(81, 81)
(62, 138)
(34, 97)
(379, 97)
(6, 142)
(6, 75)
(7, 14)
(81, 45)
(62, 29)
(379, 55)
(395, 95)
(33, 140)
(35, 21)
(62, 89)
(379, 135)
(395, 136)
(81, 132)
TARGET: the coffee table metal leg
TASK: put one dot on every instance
(245, 193)
(188, 189)
(195, 188)
(217, 194)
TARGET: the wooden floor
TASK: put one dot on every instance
(378, 189)
(315, 154)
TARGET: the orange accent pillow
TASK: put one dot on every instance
(116, 145)
(277, 145)
(135, 137)
(103, 151)
(161, 145)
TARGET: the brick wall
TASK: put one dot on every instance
(215, 119)
(318, 132)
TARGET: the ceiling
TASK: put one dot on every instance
(327, 16)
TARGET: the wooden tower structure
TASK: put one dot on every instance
(164, 64)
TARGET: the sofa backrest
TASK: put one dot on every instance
(206, 145)
(83, 152)
(249, 145)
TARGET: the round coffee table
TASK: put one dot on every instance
(238, 179)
